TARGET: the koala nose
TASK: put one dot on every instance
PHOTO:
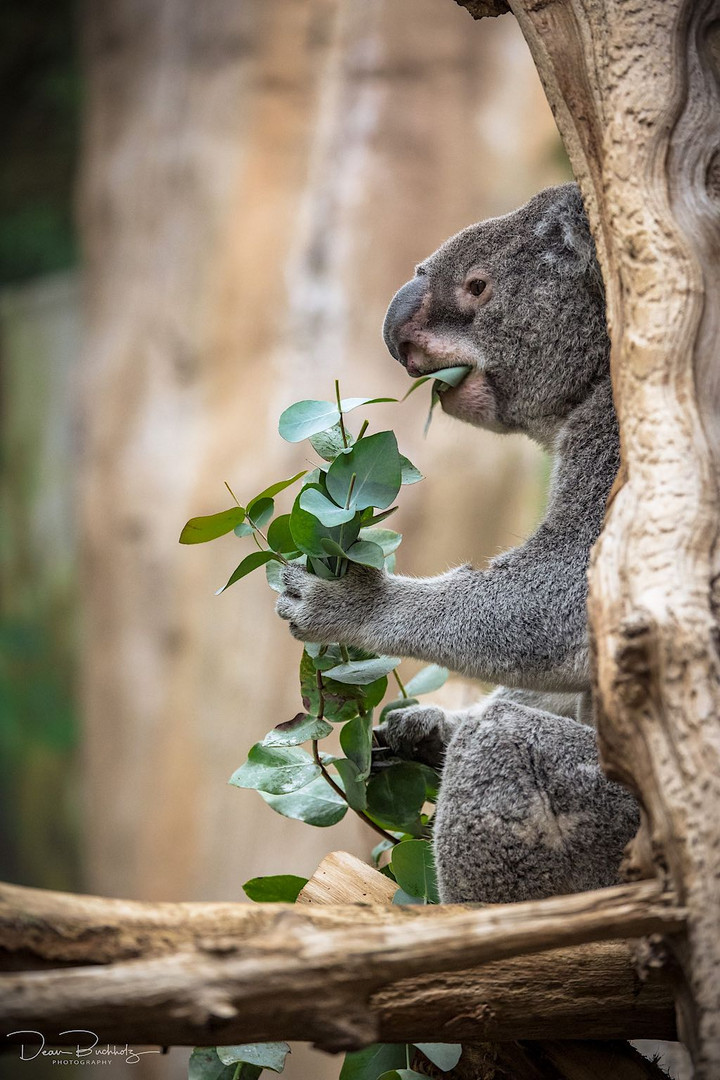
(404, 304)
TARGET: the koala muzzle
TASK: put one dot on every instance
(404, 305)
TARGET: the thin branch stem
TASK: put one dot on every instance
(339, 405)
(336, 787)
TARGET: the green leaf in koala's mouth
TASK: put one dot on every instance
(451, 376)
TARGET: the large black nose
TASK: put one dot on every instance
(403, 306)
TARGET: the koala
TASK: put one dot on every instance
(524, 809)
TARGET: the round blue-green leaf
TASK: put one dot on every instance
(199, 530)
(328, 444)
(260, 511)
(308, 533)
(361, 672)
(306, 418)
(396, 796)
(326, 511)
(410, 475)
(274, 889)
(317, 804)
(356, 743)
(205, 1064)
(353, 784)
(401, 1074)
(428, 679)
(393, 706)
(369, 1063)
(298, 730)
(279, 535)
(269, 1055)
(276, 769)
(250, 562)
(444, 1055)
(366, 553)
(413, 865)
(388, 540)
(374, 463)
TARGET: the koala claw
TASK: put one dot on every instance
(418, 733)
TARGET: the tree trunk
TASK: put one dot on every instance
(636, 95)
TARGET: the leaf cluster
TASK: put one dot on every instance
(336, 520)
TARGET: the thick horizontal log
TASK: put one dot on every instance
(342, 976)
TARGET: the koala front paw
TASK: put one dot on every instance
(327, 611)
(418, 733)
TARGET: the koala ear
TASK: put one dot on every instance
(564, 232)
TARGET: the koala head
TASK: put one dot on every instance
(520, 300)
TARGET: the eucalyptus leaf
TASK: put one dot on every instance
(275, 489)
(205, 1064)
(401, 1074)
(396, 796)
(279, 535)
(325, 510)
(428, 679)
(250, 562)
(306, 418)
(375, 519)
(270, 1055)
(366, 553)
(243, 529)
(348, 404)
(356, 743)
(274, 889)
(388, 540)
(393, 706)
(402, 897)
(308, 533)
(413, 865)
(317, 804)
(298, 730)
(328, 444)
(277, 770)
(361, 672)
(352, 782)
(369, 1063)
(369, 474)
(260, 511)
(199, 530)
(444, 1055)
(409, 473)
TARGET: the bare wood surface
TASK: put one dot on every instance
(341, 878)
(340, 975)
(636, 94)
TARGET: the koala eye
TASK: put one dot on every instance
(476, 286)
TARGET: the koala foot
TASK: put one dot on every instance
(418, 733)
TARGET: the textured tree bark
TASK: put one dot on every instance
(341, 878)
(206, 974)
(636, 95)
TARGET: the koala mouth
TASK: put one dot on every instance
(418, 362)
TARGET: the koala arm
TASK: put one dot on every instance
(522, 621)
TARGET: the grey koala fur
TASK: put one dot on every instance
(524, 809)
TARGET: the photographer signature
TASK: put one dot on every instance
(36, 1047)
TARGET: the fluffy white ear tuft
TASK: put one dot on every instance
(565, 232)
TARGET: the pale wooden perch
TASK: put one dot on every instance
(342, 976)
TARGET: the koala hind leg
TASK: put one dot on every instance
(525, 811)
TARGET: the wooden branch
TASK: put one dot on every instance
(185, 974)
(342, 878)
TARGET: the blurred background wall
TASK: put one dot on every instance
(253, 180)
